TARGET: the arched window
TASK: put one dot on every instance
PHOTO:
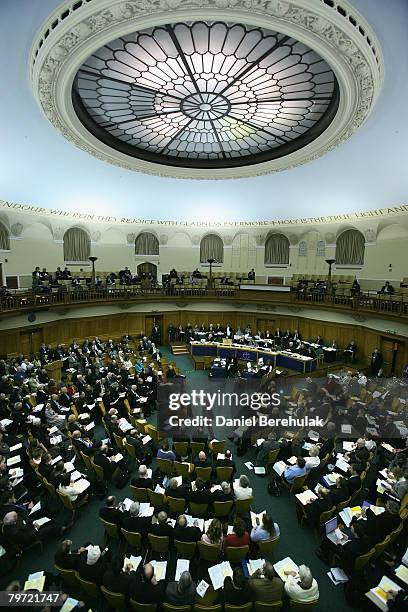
(321, 248)
(303, 248)
(146, 244)
(350, 248)
(277, 250)
(4, 238)
(77, 245)
(211, 247)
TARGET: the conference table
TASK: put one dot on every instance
(279, 359)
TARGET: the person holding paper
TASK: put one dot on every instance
(185, 533)
(313, 509)
(111, 512)
(143, 480)
(67, 559)
(295, 471)
(70, 491)
(118, 577)
(265, 584)
(313, 460)
(161, 528)
(242, 490)
(223, 494)
(92, 564)
(303, 588)
(268, 445)
(239, 536)
(183, 592)
(214, 534)
(268, 530)
(131, 520)
(237, 590)
(360, 454)
(340, 493)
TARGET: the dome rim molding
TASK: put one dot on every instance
(55, 59)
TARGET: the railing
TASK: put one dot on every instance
(392, 305)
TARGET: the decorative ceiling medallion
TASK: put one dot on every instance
(206, 88)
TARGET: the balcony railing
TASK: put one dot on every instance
(393, 305)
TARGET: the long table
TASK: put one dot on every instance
(283, 359)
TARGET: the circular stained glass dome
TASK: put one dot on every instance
(205, 95)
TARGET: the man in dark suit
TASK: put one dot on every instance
(201, 495)
(83, 444)
(354, 480)
(183, 533)
(201, 460)
(387, 288)
(45, 468)
(177, 491)
(101, 458)
(376, 362)
(146, 589)
(133, 522)
(66, 558)
(92, 564)
(111, 512)
(143, 480)
(161, 528)
(226, 462)
(224, 494)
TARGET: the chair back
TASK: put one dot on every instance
(241, 608)
(156, 499)
(129, 448)
(203, 472)
(98, 471)
(165, 466)
(204, 608)
(272, 456)
(266, 547)
(186, 550)
(117, 601)
(141, 426)
(300, 606)
(217, 446)
(181, 448)
(133, 538)
(235, 554)
(87, 461)
(343, 505)
(50, 488)
(326, 516)
(111, 529)
(183, 469)
(273, 606)
(159, 544)
(208, 552)
(394, 534)
(118, 441)
(67, 575)
(177, 506)
(224, 474)
(135, 605)
(170, 608)
(222, 509)
(297, 484)
(381, 546)
(66, 501)
(363, 560)
(198, 510)
(242, 506)
(140, 494)
(87, 586)
(153, 433)
(196, 447)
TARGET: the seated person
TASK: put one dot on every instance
(147, 590)
(340, 493)
(182, 592)
(161, 528)
(295, 471)
(67, 489)
(131, 520)
(143, 479)
(313, 509)
(164, 452)
(92, 564)
(201, 460)
(101, 458)
(268, 445)
(313, 460)
(303, 589)
(237, 590)
(239, 536)
(227, 462)
(111, 512)
(360, 454)
(184, 533)
(265, 584)
(201, 494)
(67, 559)
(213, 535)
(117, 578)
(177, 491)
(268, 530)
(242, 490)
(224, 494)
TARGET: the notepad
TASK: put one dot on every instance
(402, 573)
(13, 460)
(286, 565)
(160, 568)
(133, 561)
(254, 565)
(183, 565)
(202, 588)
(279, 467)
(81, 485)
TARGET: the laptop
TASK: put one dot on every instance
(330, 528)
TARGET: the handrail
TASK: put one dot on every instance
(391, 305)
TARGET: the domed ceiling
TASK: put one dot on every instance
(302, 100)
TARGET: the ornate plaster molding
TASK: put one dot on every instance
(334, 30)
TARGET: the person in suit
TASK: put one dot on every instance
(177, 492)
(340, 493)
(109, 467)
(111, 512)
(201, 460)
(92, 564)
(351, 351)
(313, 509)
(161, 528)
(268, 445)
(224, 494)
(25, 532)
(45, 468)
(146, 589)
(182, 592)
(116, 577)
(131, 520)
(354, 480)
(355, 288)
(185, 533)
(265, 584)
(360, 454)
(387, 289)
(201, 494)
(83, 444)
(66, 558)
(376, 362)
(237, 590)
(143, 480)
(227, 462)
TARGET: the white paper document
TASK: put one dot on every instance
(218, 573)
(183, 565)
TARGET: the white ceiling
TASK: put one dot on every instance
(38, 166)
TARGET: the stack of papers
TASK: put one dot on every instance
(342, 465)
(35, 582)
(337, 576)
(146, 509)
(218, 573)
(183, 565)
(81, 485)
(286, 565)
(347, 514)
(379, 595)
(306, 497)
(133, 561)
(160, 568)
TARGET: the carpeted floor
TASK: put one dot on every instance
(296, 542)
